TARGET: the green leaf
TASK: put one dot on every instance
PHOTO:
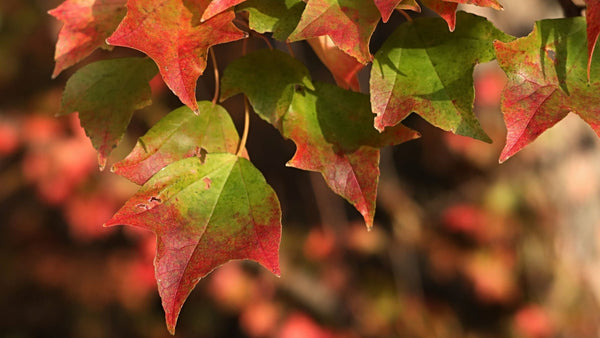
(267, 77)
(106, 93)
(547, 79)
(334, 135)
(424, 68)
(178, 135)
(276, 16)
(204, 214)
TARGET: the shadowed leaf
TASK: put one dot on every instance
(267, 77)
(413, 72)
(106, 93)
(276, 16)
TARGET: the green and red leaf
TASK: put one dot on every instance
(333, 133)
(413, 73)
(87, 24)
(179, 135)
(592, 16)
(204, 213)
(349, 24)
(546, 80)
(166, 31)
(106, 93)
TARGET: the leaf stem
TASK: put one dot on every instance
(216, 69)
(405, 15)
(242, 145)
(264, 39)
(289, 47)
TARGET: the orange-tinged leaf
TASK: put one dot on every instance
(546, 80)
(592, 16)
(167, 32)
(349, 24)
(87, 23)
(217, 6)
(342, 66)
(204, 214)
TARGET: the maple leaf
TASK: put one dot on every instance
(386, 7)
(349, 24)
(267, 77)
(166, 31)
(204, 214)
(218, 6)
(546, 80)
(334, 135)
(106, 93)
(332, 127)
(342, 66)
(276, 16)
(87, 23)
(592, 16)
(447, 8)
(412, 72)
(179, 135)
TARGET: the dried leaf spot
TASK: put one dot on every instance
(551, 54)
(201, 154)
(155, 199)
(207, 181)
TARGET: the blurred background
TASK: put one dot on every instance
(462, 246)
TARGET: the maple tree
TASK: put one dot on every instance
(200, 193)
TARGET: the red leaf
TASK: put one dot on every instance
(204, 214)
(386, 7)
(592, 16)
(342, 66)
(544, 73)
(348, 23)
(447, 8)
(166, 31)
(218, 6)
(87, 23)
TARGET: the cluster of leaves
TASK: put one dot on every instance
(200, 193)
